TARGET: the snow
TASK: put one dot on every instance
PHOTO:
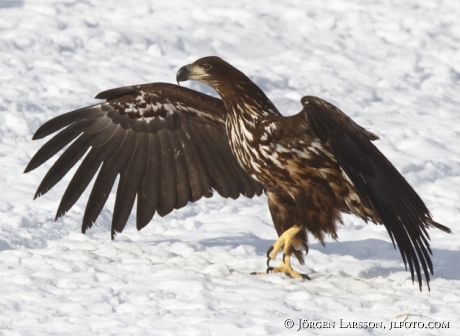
(393, 66)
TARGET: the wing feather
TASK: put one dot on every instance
(80, 181)
(116, 165)
(104, 181)
(168, 176)
(149, 193)
(62, 165)
(196, 183)
(229, 176)
(197, 147)
(130, 183)
(167, 143)
(54, 145)
(182, 173)
(66, 119)
(214, 169)
(376, 180)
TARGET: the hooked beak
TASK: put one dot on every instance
(183, 74)
(191, 72)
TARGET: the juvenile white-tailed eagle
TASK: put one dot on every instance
(172, 145)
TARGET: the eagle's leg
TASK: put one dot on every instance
(287, 241)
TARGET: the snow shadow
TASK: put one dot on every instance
(261, 245)
(11, 3)
(445, 262)
(4, 245)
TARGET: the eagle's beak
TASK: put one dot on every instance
(191, 72)
(183, 74)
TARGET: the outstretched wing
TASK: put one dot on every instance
(167, 143)
(376, 180)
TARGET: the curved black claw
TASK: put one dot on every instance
(305, 277)
(269, 269)
(306, 248)
(253, 273)
(270, 249)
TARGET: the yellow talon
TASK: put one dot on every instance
(285, 241)
(286, 268)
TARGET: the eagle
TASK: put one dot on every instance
(171, 145)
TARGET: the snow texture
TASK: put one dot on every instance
(393, 66)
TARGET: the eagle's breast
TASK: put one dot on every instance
(245, 144)
(259, 148)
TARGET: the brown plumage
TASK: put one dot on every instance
(172, 145)
(166, 142)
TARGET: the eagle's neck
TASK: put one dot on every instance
(245, 101)
(247, 106)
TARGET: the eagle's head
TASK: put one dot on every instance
(210, 70)
(233, 86)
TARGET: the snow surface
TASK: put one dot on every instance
(393, 66)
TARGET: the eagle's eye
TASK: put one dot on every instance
(207, 66)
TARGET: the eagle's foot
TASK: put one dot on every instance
(286, 268)
(285, 241)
